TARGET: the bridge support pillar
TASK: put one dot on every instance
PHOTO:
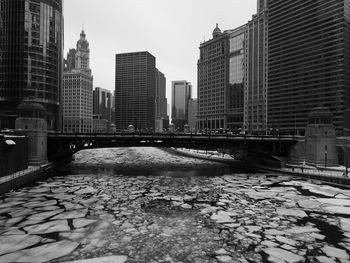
(32, 123)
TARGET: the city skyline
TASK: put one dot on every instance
(170, 31)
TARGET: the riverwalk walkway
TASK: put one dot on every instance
(19, 174)
(20, 178)
(335, 175)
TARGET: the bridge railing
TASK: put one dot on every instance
(169, 134)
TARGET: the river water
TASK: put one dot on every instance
(149, 205)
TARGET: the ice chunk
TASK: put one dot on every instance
(49, 227)
(17, 242)
(335, 252)
(110, 259)
(42, 253)
(283, 254)
(291, 212)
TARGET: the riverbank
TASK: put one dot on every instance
(332, 175)
(29, 175)
(24, 177)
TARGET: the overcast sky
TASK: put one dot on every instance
(171, 30)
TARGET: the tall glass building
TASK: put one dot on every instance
(235, 89)
(181, 93)
(255, 86)
(309, 61)
(135, 90)
(31, 47)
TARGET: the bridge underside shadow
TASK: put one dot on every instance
(241, 148)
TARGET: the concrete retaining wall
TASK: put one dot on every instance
(13, 157)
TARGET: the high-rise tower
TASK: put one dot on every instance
(213, 78)
(135, 90)
(77, 89)
(31, 48)
(181, 93)
(256, 85)
(309, 61)
(82, 55)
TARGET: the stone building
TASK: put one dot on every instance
(77, 90)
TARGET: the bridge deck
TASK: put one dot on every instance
(179, 136)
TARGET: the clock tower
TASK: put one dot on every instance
(82, 56)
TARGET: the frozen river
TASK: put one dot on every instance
(147, 205)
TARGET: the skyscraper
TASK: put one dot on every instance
(255, 86)
(31, 47)
(162, 118)
(236, 81)
(161, 100)
(135, 90)
(309, 61)
(77, 89)
(102, 103)
(181, 93)
(192, 114)
(213, 81)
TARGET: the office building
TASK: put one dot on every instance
(162, 118)
(135, 90)
(181, 93)
(213, 81)
(77, 90)
(236, 81)
(99, 125)
(103, 104)
(31, 48)
(308, 61)
(192, 114)
(161, 100)
(255, 86)
(221, 70)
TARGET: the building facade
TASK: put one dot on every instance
(135, 90)
(31, 48)
(103, 103)
(192, 114)
(213, 75)
(77, 90)
(161, 100)
(181, 93)
(236, 81)
(309, 61)
(256, 82)
(99, 125)
(162, 118)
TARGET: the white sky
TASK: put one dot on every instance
(171, 30)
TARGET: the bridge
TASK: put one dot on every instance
(70, 143)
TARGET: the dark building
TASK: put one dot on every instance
(235, 89)
(255, 85)
(161, 100)
(162, 118)
(135, 90)
(181, 93)
(102, 103)
(31, 47)
(309, 61)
